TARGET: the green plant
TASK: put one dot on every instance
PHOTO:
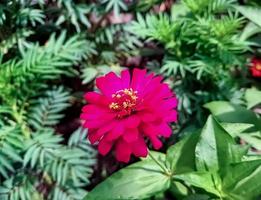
(231, 115)
(202, 52)
(208, 162)
(34, 161)
(48, 168)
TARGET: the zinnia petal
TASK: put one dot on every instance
(123, 151)
(132, 121)
(139, 148)
(104, 147)
(115, 133)
(109, 84)
(96, 98)
(131, 135)
(138, 79)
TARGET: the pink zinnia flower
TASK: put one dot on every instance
(127, 111)
(256, 67)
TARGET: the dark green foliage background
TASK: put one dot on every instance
(50, 53)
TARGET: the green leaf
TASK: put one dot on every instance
(178, 9)
(249, 30)
(88, 75)
(234, 129)
(197, 197)
(202, 180)
(181, 156)
(237, 152)
(137, 181)
(243, 179)
(253, 97)
(227, 112)
(11, 144)
(46, 111)
(243, 131)
(212, 152)
(158, 155)
(115, 5)
(252, 13)
(178, 190)
(254, 139)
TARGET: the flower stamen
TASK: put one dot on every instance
(258, 66)
(124, 102)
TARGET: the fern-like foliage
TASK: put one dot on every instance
(29, 15)
(62, 170)
(45, 111)
(125, 44)
(11, 143)
(209, 6)
(112, 44)
(153, 27)
(63, 164)
(201, 39)
(67, 193)
(41, 165)
(17, 38)
(78, 140)
(18, 187)
(36, 162)
(41, 63)
(115, 5)
(51, 60)
(75, 13)
(217, 40)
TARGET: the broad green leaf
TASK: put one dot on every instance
(178, 190)
(241, 130)
(234, 129)
(227, 112)
(243, 179)
(212, 152)
(158, 155)
(254, 139)
(219, 107)
(204, 180)
(249, 30)
(252, 13)
(181, 156)
(237, 152)
(253, 96)
(137, 181)
(197, 197)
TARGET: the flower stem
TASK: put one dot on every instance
(166, 171)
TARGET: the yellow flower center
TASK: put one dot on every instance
(258, 67)
(124, 102)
